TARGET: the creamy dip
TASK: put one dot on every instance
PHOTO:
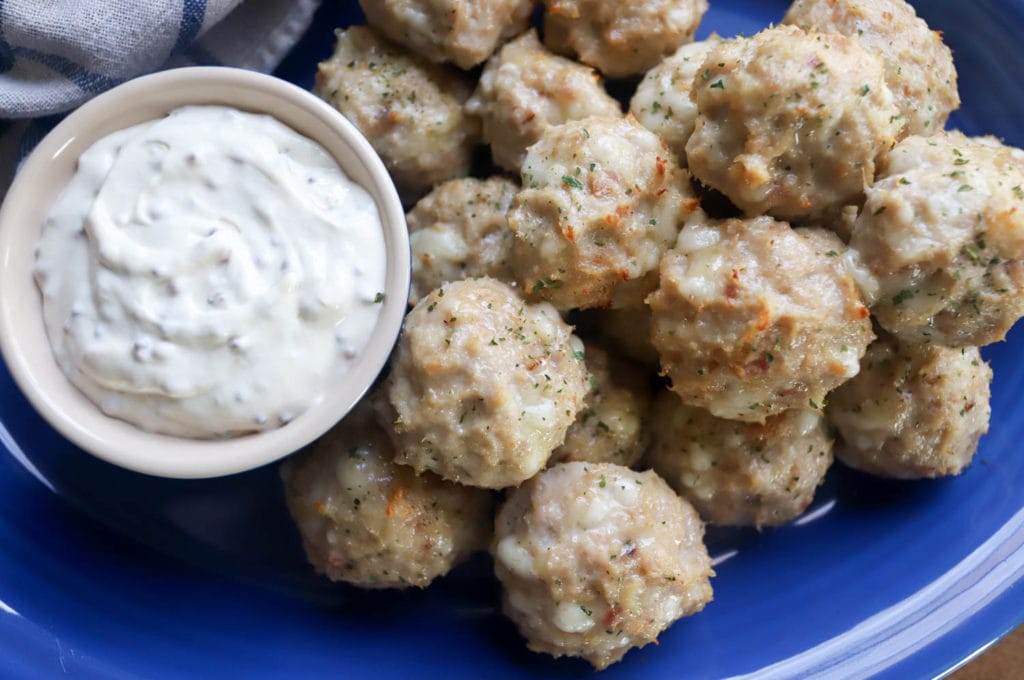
(210, 273)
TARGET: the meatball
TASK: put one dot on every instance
(754, 317)
(791, 124)
(525, 89)
(596, 559)
(484, 386)
(464, 32)
(601, 202)
(369, 522)
(841, 223)
(459, 231)
(913, 411)
(621, 39)
(611, 426)
(740, 474)
(629, 331)
(942, 235)
(411, 112)
(918, 66)
(664, 102)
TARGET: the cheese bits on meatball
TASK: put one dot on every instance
(620, 38)
(753, 317)
(602, 200)
(596, 559)
(410, 111)
(664, 102)
(791, 124)
(459, 231)
(942, 235)
(913, 411)
(366, 521)
(464, 32)
(918, 66)
(525, 89)
(740, 474)
(612, 427)
(484, 386)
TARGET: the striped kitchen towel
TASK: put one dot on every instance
(56, 55)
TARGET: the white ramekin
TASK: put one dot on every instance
(23, 340)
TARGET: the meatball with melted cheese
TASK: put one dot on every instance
(942, 235)
(664, 102)
(459, 231)
(611, 426)
(596, 559)
(525, 89)
(483, 385)
(464, 32)
(410, 111)
(619, 38)
(740, 474)
(918, 66)
(753, 317)
(791, 124)
(601, 202)
(913, 411)
(366, 521)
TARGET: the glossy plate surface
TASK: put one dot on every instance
(106, 573)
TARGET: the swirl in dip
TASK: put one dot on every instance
(208, 274)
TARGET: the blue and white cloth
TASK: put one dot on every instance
(55, 55)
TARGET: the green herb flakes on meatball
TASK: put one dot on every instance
(483, 385)
(942, 237)
(366, 521)
(791, 124)
(525, 89)
(621, 39)
(596, 559)
(753, 317)
(602, 200)
(410, 111)
(612, 427)
(918, 66)
(736, 473)
(459, 231)
(464, 32)
(913, 411)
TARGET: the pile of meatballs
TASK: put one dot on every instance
(776, 257)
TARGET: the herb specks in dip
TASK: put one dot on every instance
(209, 273)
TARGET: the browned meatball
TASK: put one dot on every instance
(484, 386)
(464, 32)
(602, 200)
(410, 111)
(913, 411)
(369, 522)
(942, 237)
(459, 231)
(754, 317)
(596, 559)
(664, 102)
(740, 474)
(620, 38)
(918, 65)
(791, 124)
(612, 427)
(525, 89)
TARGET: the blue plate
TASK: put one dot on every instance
(106, 573)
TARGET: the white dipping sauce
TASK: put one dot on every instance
(210, 273)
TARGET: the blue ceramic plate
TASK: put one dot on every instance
(105, 573)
